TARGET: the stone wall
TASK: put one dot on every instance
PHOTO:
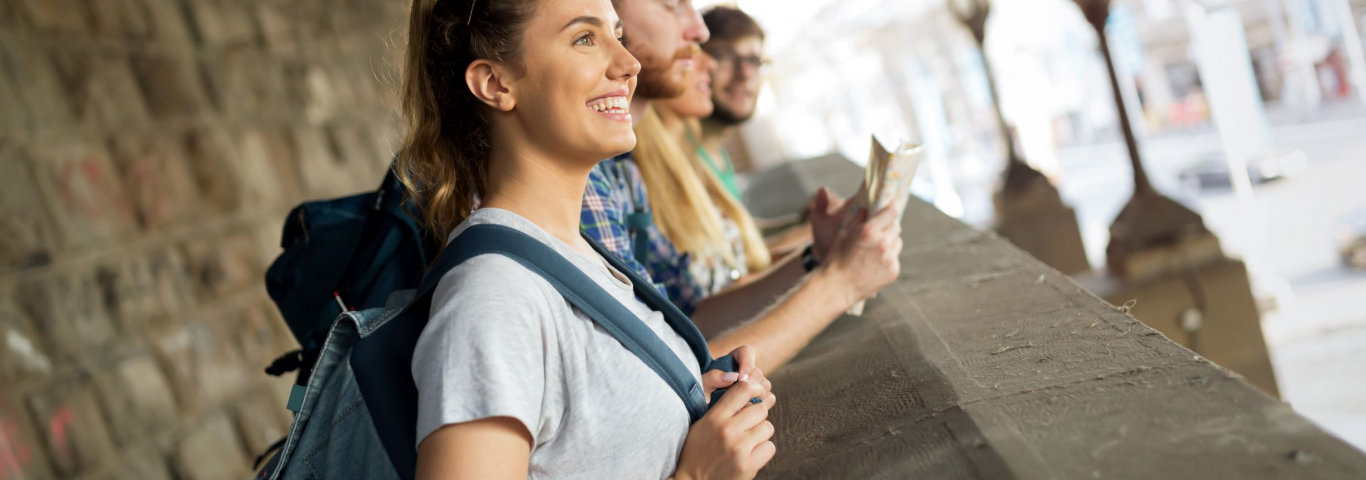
(149, 151)
(981, 362)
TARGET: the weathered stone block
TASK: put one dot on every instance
(220, 267)
(210, 156)
(257, 333)
(353, 89)
(36, 84)
(201, 365)
(137, 399)
(211, 451)
(141, 291)
(83, 192)
(170, 85)
(21, 453)
(21, 353)
(168, 21)
(64, 16)
(14, 115)
(99, 87)
(223, 22)
(324, 174)
(260, 422)
(73, 429)
(27, 236)
(280, 30)
(6, 13)
(143, 464)
(357, 146)
(157, 178)
(122, 18)
(248, 83)
(298, 93)
(68, 311)
(267, 168)
(324, 94)
(266, 236)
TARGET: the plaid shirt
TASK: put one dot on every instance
(616, 212)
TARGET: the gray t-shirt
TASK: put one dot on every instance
(502, 342)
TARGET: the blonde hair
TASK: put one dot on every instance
(685, 196)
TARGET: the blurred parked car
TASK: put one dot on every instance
(1211, 171)
(1353, 246)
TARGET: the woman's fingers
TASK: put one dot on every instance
(746, 359)
(759, 433)
(750, 416)
(761, 455)
(717, 379)
(737, 399)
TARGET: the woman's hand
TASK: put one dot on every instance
(746, 359)
(865, 255)
(732, 441)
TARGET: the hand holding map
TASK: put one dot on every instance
(887, 183)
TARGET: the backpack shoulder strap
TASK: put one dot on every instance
(645, 290)
(585, 294)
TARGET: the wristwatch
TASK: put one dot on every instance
(809, 261)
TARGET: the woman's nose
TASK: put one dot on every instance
(624, 65)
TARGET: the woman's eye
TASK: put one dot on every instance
(586, 40)
(624, 39)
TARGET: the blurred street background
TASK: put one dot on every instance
(911, 70)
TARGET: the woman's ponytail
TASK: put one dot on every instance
(443, 162)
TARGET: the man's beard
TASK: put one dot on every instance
(723, 114)
(657, 80)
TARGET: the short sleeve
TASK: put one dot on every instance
(485, 351)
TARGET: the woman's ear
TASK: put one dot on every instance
(489, 83)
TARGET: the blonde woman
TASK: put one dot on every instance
(695, 210)
(691, 206)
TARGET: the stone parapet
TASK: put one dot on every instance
(981, 362)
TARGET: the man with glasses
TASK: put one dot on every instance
(737, 44)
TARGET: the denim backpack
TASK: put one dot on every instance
(341, 255)
(357, 417)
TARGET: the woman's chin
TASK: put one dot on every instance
(614, 145)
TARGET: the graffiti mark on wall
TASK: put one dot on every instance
(15, 455)
(89, 191)
(57, 425)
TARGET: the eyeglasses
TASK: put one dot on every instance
(729, 59)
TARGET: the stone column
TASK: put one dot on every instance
(1029, 211)
(1169, 269)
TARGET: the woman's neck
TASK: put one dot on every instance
(714, 135)
(549, 193)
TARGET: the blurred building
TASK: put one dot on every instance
(907, 69)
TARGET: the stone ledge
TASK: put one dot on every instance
(981, 362)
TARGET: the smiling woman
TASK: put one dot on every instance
(508, 105)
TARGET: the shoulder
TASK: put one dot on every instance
(492, 285)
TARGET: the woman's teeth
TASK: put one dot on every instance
(610, 104)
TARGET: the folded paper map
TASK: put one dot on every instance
(887, 182)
